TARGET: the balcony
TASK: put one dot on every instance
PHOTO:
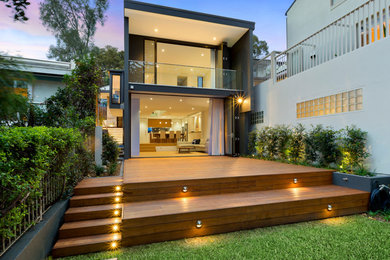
(182, 76)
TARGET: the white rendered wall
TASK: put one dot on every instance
(307, 17)
(365, 68)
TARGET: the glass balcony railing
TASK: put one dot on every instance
(181, 75)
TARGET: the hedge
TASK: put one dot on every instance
(345, 149)
(27, 155)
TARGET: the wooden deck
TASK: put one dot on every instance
(164, 199)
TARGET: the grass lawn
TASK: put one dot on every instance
(353, 237)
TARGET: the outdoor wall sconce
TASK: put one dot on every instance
(185, 189)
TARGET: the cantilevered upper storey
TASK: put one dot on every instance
(170, 47)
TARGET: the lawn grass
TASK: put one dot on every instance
(353, 237)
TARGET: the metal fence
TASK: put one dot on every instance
(51, 189)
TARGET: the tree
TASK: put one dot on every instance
(108, 58)
(75, 104)
(259, 47)
(18, 6)
(13, 106)
(73, 23)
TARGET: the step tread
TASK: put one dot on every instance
(99, 182)
(85, 241)
(232, 200)
(93, 208)
(90, 223)
(96, 196)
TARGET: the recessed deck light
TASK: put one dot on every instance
(114, 244)
(295, 180)
(185, 189)
(118, 188)
(240, 100)
(115, 237)
(116, 212)
(330, 207)
(199, 224)
(117, 199)
(115, 227)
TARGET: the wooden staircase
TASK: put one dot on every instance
(168, 199)
(92, 222)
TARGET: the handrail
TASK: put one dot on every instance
(362, 26)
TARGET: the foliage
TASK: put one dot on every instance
(353, 148)
(73, 23)
(14, 108)
(322, 147)
(252, 142)
(108, 58)
(110, 153)
(99, 170)
(382, 214)
(318, 146)
(296, 151)
(74, 105)
(260, 48)
(18, 6)
(27, 155)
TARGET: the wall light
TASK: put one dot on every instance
(185, 189)
(199, 224)
(295, 180)
(330, 207)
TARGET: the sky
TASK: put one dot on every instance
(32, 40)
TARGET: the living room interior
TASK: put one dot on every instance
(173, 126)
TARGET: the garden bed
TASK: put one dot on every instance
(365, 183)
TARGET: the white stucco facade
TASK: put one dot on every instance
(306, 17)
(365, 68)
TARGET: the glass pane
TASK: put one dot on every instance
(149, 62)
(116, 89)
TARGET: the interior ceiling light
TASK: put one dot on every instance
(214, 38)
(193, 108)
(181, 100)
(146, 106)
(151, 98)
(155, 30)
(163, 50)
(202, 54)
(170, 107)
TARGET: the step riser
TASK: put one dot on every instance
(80, 250)
(173, 189)
(96, 190)
(91, 215)
(174, 235)
(225, 216)
(88, 231)
(93, 202)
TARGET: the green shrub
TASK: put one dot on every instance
(296, 146)
(252, 142)
(110, 153)
(27, 155)
(283, 134)
(321, 146)
(353, 149)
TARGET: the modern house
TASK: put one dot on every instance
(334, 71)
(186, 86)
(188, 89)
(48, 77)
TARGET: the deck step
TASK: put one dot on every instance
(93, 212)
(154, 221)
(95, 199)
(91, 186)
(89, 227)
(158, 190)
(82, 245)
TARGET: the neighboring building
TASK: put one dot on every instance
(180, 91)
(48, 77)
(334, 71)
